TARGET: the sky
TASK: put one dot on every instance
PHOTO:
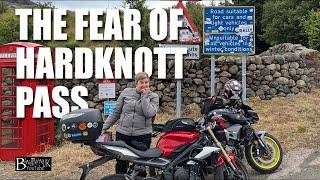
(108, 4)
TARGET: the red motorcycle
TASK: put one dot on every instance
(188, 149)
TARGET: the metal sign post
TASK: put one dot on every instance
(178, 98)
(244, 78)
(213, 75)
(229, 30)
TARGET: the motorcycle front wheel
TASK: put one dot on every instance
(262, 162)
(222, 174)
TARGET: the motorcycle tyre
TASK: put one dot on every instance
(256, 167)
(114, 177)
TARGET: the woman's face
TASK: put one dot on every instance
(143, 84)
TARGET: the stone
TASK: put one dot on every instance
(220, 60)
(281, 94)
(300, 71)
(294, 65)
(68, 84)
(190, 75)
(187, 100)
(264, 82)
(267, 59)
(161, 86)
(160, 94)
(259, 92)
(256, 72)
(167, 90)
(172, 85)
(282, 80)
(252, 67)
(201, 89)
(196, 99)
(224, 79)
(292, 72)
(171, 64)
(291, 83)
(219, 86)
(192, 87)
(285, 73)
(225, 74)
(250, 93)
(166, 98)
(265, 88)
(272, 91)
(295, 90)
(256, 83)
(90, 86)
(268, 78)
(264, 72)
(295, 77)
(193, 94)
(285, 66)
(257, 60)
(305, 78)
(276, 74)
(278, 67)
(224, 68)
(273, 84)
(279, 59)
(233, 69)
(272, 67)
(301, 84)
(198, 81)
(200, 76)
(260, 66)
(207, 84)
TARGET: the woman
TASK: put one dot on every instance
(135, 109)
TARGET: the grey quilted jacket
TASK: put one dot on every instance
(134, 112)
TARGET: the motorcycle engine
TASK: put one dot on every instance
(187, 173)
(181, 173)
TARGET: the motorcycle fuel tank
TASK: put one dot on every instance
(171, 141)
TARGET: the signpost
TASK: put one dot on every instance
(188, 36)
(229, 30)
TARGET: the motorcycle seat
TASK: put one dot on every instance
(150, 153)
(236, 118)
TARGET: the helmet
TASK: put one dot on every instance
(232, 89)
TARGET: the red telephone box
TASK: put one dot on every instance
(20, 136)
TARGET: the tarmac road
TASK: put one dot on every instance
(297, 164)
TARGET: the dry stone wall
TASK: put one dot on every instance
(283, 70)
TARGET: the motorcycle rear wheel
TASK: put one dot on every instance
(261, 164)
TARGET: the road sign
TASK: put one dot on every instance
(193, 50)
(229, 30)
(107, 90)
(108, 107)
(228, 44)
(189, 32)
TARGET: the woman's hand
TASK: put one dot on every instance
(145, 90)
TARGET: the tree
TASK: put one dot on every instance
(3, 7)
(9, 28)
(196, 12)
(145, 32)
(261, 45)
(312, 29)
(283, 21)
